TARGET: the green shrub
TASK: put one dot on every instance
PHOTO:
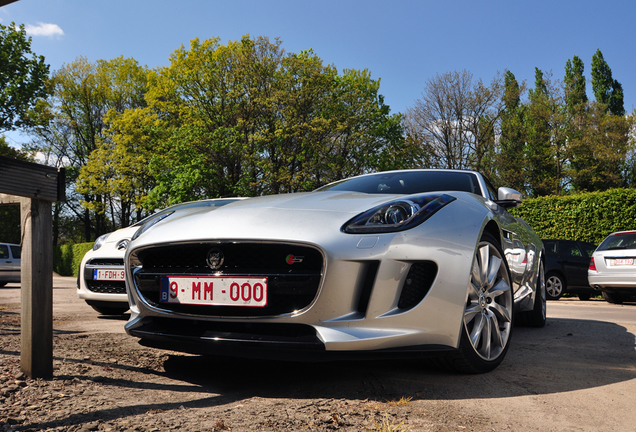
(67, 258)
(587, 217)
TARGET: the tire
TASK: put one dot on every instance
(488, 315)
(110, 310)
(537, 316)
(613, 298)
(555, 286)
(584, 297)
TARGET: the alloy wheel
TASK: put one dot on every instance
(488, 314)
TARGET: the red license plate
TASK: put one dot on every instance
(623, 261)
(214, 290)
(112, 274)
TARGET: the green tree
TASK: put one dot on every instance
(575, 95)
(546, 138)
(511, 160)
(247, 118)
(597, 131)
(606, 89)
(117, 168)
(599, 151)
(73, 127)
(8, 151)
(23, 78)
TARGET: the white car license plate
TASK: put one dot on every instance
(109, 274)
(214, 290)
(623, 261)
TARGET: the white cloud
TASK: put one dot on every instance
(44, 29)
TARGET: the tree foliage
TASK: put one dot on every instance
(23, 78)
(73, 127)
(607, 90)
(454, 121)
(248, 118)
(512, 159)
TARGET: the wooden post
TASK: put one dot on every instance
(36, 348)
(35, 187)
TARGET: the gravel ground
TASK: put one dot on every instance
(557, 378)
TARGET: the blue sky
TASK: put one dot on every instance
(403, 43)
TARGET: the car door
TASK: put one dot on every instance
(6, 265)
(575, 262)
(16, 253)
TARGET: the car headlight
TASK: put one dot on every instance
(397, 215)
(100, 241)
(150, 222)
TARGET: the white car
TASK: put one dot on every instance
(100, 281)
(612, 268)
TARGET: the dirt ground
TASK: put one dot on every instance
(576, 374)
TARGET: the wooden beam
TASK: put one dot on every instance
(31, 180)
(9, 199)
(36, 359)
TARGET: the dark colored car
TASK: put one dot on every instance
(566, 264)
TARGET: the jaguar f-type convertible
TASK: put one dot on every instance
(399, 263)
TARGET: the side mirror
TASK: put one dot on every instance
(508, 197)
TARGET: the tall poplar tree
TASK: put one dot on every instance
(512, 141)
(607, 90)
(545, 125)
(575, 95)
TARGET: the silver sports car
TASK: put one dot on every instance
(413, 262)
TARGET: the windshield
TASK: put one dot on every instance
(619, 241)
(408, 182)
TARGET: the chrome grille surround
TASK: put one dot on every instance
(292, 287)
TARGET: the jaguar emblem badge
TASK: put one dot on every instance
(215, 258)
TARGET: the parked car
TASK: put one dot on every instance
(612, 269)
(392, 263)
(100, 281)
(566, 263)
(9, 263)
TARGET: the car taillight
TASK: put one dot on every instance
(592, 264)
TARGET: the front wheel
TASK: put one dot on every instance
(488, 314)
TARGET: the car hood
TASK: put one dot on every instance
(306, 217)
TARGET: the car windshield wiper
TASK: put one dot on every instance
(615, 247)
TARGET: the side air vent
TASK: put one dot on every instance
(417, 284)
(370, 271)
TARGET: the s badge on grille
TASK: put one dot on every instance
(215, 258)
(293, 259)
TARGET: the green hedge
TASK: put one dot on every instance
(587, 217)
(67, 258)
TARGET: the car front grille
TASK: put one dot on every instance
(103, 287)
(294, 273)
